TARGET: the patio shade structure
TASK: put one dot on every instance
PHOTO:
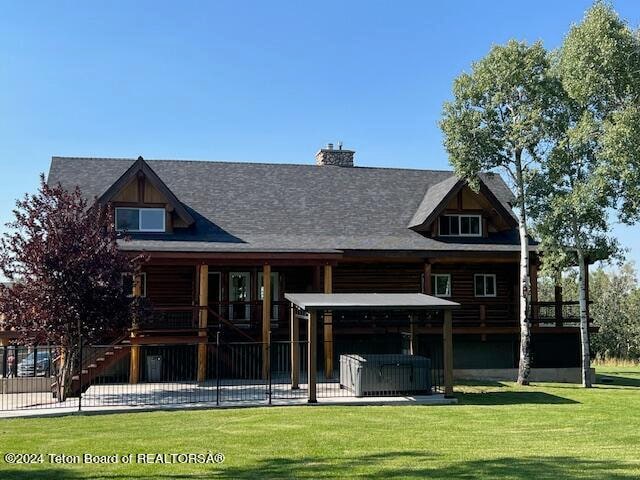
(313, 303)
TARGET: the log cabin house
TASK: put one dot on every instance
(226, 241)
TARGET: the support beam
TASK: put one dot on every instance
(533, 274)
(134, 360)
(447, 338)
(266, 318)
(203, 299)
(312, 355)
(427, 288)
(328, 325)
(295, 348)
(137, 285)
(203, 321)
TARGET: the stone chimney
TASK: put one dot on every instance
(337, 157)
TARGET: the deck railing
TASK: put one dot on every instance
(245, 316)
(558, 313)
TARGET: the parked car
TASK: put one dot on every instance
(42, 364)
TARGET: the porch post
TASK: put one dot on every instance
(134, 361)
(312, 355)
(203, 320)
(447, 338)
(266, 317)
(426, 281)
(295, 349)
(533, 273)
(328, 325)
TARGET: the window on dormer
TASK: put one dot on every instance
(140, 219)
(460, 225)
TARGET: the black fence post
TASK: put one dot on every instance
(269, 360)
(80, 369)
(218, 367)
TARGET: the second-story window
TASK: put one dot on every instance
(461, 225)
(441, 284)
(485, 284)
(140, 219)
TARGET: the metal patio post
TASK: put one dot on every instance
(80, 362)
(218, 367)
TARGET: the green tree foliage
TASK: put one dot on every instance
(592, 169)
(500, 119)
(615, 309)
(61, 252)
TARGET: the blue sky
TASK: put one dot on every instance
(247, 81)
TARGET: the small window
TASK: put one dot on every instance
(140, 219)
(485, 285)
(127, 284)
(460, 225)
(441, 284)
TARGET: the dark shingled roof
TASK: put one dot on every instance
(241, 207)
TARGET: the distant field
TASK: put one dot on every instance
(496, 431)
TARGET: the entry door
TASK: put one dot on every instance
(240, 291)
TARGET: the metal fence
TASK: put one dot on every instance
(216, 373)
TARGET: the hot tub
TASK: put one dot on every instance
(385, 374)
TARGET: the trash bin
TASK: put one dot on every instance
(154, 368)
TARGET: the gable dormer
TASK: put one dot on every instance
(142, 202)
(452, 209)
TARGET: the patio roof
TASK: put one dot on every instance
(369, 301)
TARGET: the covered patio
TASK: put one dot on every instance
(313, 306)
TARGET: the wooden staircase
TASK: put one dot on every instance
(99, 362)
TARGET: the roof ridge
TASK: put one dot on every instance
(240, 162)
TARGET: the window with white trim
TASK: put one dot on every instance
(127, 284)
(441, 284)
(461, 225)
(484, 284)
(140, 219)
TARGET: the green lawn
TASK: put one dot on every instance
(496, 431)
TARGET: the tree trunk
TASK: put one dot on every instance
(525, 329)
(584, 322)
(64, 373)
